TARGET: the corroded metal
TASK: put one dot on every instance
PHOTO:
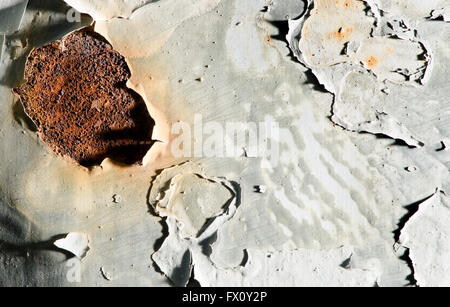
(76, 95)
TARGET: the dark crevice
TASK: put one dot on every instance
(283, 29)
(282, 25)
(24, 249)
(211, 220)
(151, 206)
(346, 263)
(397, 142)
(245, 258)
(22, 118)
(193, 283)
(443, 147)
(265, 9)
(311, 79)
(207, 243)
(410, 278)
(182, 274)
(344, 49)
(412, 209)
(158, 270)
(164, 234)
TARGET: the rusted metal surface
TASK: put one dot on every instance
(76, 94)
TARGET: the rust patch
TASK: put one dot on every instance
(76, 95)
(342, 33)
(371, 62)
(348, 3)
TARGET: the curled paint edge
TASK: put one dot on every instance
(191, 244)
(76, 243)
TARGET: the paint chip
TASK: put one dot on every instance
(76, 243)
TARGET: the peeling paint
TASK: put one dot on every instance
(108, 9)
(321, 43)
(392, 50)
(76, 243)
(413, 9)
(328, 213)
(426, 235)
(194, 201)
(393, 59)
(11, 14)
(105, 274)
(443, 13)
(190, 223)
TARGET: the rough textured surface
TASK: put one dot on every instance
(363, 148)
(193, 201)
(76, 95)
(193, 218)
(301, 268)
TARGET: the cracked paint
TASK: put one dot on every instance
(193, 201)
(362, 105)
(189, 222)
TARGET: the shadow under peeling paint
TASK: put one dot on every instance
(182, 273)
(21, 116)
(412, 209)
(276, 16)
(11, 14)
(25, 260)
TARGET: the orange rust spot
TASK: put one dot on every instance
(371, 61)
(268, 39)
(389, 50)
(76, 95)
(348, 3)
(342, 33)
